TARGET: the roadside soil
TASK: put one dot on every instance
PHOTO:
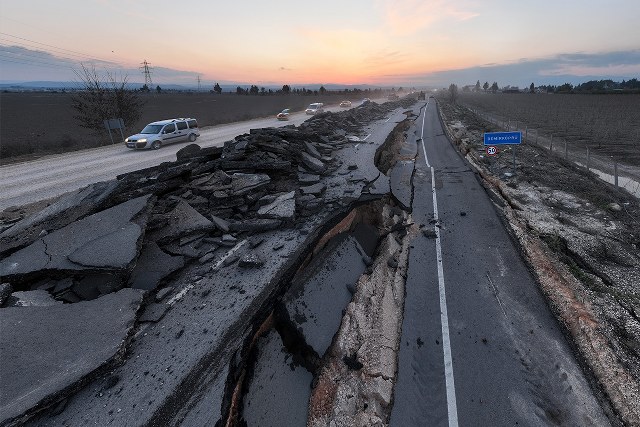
(581, 237)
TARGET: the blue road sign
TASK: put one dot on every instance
(502, 138)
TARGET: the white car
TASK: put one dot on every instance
(156, 134)
(284, 114)
(315, 108)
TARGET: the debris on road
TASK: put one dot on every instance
(180, 226)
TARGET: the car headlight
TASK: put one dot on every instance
(142, 140)
(126, 140)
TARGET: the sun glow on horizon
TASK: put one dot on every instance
(355, 42)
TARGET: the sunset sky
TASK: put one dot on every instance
(377, 42)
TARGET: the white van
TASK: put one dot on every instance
(315, 108)
(156, 134)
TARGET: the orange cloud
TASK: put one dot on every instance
(405, 17)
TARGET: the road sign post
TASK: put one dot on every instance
(491, 139)
(114, 124)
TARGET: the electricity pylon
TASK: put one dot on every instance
(146, 70)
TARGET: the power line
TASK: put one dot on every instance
(30, 47)
(30, 54)
(62, 50)
(31, 61)
(61, 54)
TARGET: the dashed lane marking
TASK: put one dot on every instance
(452, 408)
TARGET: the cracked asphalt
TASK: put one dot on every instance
(479, 345)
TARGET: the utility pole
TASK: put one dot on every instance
(198, 82)
(146, 70)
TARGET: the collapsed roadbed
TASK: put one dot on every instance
(136, 301)
(261, 282)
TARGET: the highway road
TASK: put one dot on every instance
(479, 345)
(53, 175)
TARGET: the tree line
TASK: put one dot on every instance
(287, 90)
(592, 86)
(596, 86)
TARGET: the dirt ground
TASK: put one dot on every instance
(43, 122)
(608, 124)
(581, 237)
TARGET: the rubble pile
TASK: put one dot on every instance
(134, 233)
(350, 122)
(186, 209)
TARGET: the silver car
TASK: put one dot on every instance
(156, 134)
(315, 108)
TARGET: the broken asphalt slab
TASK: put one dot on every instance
(400, 183)
(178, 361)
(49, 350)
(152, 266)
(85, 244)
(61, 212)
(283, 207)
(316, 299)
(190, 338)
(401, 174)
(279, 392)
(182, 220)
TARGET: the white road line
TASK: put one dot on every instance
(365, 138)
(426, 159)
(228, 254)
(452, 408)
(177, 297)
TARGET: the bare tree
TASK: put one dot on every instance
(104, 98)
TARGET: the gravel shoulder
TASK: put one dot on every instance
(580, 237)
